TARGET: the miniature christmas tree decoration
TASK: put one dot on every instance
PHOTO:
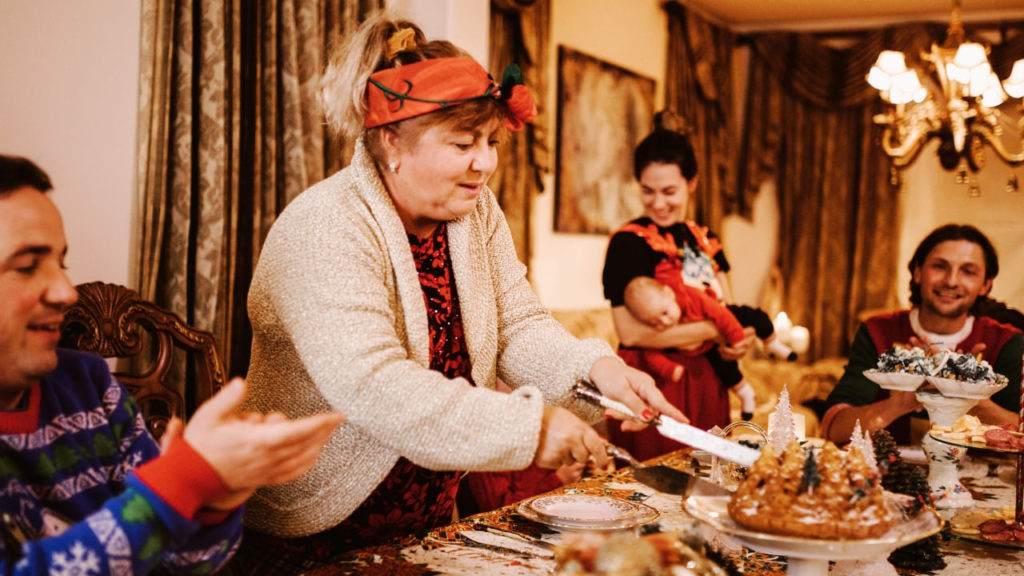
(862, 442)
(780, 423)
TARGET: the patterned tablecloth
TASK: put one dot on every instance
(445, 551)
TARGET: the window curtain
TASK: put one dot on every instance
(519, 33)
(809, 127)
(230, 131)
(699, 87)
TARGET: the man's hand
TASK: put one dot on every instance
(250, 450)
(928, 347)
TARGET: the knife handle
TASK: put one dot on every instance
(592, 394)
(621, 453)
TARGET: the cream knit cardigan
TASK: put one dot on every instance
(339, 322)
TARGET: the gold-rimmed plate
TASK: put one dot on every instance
(587, 512)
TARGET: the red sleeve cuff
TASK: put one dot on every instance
(183, 479)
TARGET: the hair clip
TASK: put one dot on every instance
(404, 39)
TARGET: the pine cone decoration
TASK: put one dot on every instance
(902, 478)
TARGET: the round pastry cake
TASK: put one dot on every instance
(824, 493)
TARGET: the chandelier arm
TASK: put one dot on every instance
(956, 101)
(996, 144)
(903, 153)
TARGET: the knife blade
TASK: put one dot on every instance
(693, 436)
(675, 430)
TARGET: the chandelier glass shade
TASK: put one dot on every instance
(957, 101)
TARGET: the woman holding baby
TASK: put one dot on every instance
(661, 244)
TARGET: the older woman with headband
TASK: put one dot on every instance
(391, 291)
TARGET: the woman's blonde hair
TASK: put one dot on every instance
(384, 41)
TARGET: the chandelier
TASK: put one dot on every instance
(957, 104)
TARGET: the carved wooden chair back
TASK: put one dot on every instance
(115, 322)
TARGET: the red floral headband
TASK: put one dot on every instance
(395, 94)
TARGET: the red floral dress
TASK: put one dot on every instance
(410, 499)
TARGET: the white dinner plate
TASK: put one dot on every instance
(587, 512)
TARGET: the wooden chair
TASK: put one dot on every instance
(115, 322)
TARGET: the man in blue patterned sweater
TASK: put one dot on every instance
(84, 487)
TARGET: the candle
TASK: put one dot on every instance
(800, 426)
(799, 339)
(782, 326)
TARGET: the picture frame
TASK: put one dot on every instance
(604, 110)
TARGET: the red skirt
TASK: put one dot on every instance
(699, 395)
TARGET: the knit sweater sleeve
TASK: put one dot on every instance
(853, 387)
(533, 348)
(130, 534)
(97, 517)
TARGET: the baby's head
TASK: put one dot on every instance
(652, 302)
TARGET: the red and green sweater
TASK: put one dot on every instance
(85, 491)
(1004, 348)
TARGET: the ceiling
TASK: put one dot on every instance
(758, 15)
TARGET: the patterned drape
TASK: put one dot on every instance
(699, 87)
(229, 132)
(519, 33)
(809, 126)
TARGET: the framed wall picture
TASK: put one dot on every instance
(603, 112)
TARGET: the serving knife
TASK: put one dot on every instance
(678, 431)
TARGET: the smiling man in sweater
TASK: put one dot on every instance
(951, 272)
(84, 487)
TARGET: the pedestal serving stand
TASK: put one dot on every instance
(811, 556)
(946, 401)
(943, 458)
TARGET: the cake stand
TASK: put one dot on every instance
(811, 556)
(943, 458)
(945, 402)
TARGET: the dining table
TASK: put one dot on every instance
(521, 546)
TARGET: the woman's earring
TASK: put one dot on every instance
(393, 167)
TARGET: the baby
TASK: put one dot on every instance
(660, 307)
